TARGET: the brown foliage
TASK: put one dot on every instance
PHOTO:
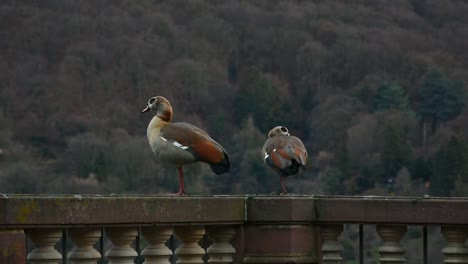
(71, 69)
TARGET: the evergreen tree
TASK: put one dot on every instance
(421, 169)
(390, 96)
(251, 175)
(396, 151)
(343, 160)
(259, 96)
(440, 99)
(449, 164)
(393, 140)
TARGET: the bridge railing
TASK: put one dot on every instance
(219, 229)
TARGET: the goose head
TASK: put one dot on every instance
(278, 131)
(161, 106)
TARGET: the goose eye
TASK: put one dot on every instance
(283, 129)
(151, 101)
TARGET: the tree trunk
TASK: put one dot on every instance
(424, 136)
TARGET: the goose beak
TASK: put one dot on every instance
(145, 110)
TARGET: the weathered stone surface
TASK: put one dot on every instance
(12, 245)
(393, 210)
(25, 211)
(271, 229)
(281, 209)
(279, 244)
(73, 210)
(3, 211)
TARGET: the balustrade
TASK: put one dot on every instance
(241, 230)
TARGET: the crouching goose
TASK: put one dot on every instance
(182, 143)
(284, 153)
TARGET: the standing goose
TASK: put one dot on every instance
(182, 143)
(284, 153)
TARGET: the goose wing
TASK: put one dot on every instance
(196, 141)
(284, 153)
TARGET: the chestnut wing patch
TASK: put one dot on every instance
(193, 139)
(298, 150)
(274, 153)
(209, 152)
(285, 154)
(279, 159)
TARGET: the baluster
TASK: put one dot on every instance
(157, 252)
(331, 248)
(221, 251)
(189, 252)
(84, 251)
(456, 251)
(44, 240)
(391, 250)
(121, 251)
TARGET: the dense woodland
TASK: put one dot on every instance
(375, 89)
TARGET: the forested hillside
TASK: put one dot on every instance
(376, 90)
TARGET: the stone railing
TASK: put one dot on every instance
(217, 229)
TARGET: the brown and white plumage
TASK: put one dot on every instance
(182, 143)
(284, 153)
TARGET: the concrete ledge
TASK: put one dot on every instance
(23, 211)
(281, 209)
(357, 209)
(392, 210)
(29, 211)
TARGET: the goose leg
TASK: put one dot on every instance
(181, 181)
(282, 185)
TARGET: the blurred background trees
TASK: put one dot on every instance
(376, 90)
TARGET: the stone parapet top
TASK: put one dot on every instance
(27, 211)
